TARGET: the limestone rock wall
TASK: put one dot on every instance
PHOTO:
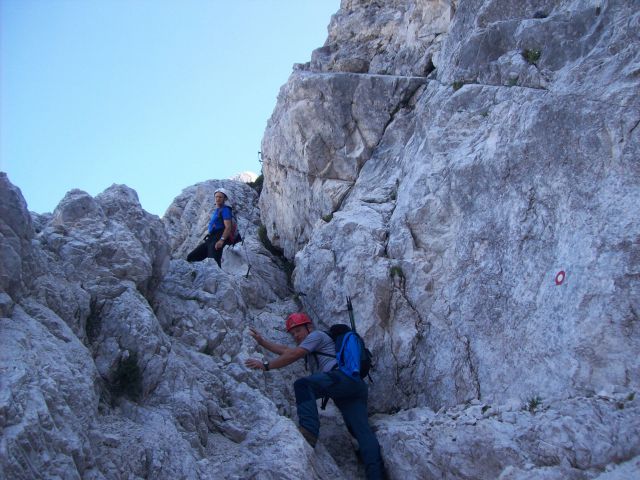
(339, 120)
(105, 378)
(514, 160)
(574, 439)
(394, 38)
(440, 162)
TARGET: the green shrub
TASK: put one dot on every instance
(457, 85)
(533, 404)
(327, 218)
(396, 271)
(532, 55)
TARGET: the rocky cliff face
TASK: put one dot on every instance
(467, 171)
(118, 359)
(473, 189)
(447, 204)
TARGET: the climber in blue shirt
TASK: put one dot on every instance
(220, 230)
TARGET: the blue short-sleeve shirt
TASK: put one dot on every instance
(217, 220)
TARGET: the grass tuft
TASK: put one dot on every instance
(533, 404)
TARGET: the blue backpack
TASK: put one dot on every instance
(354, 358)
(352, 355)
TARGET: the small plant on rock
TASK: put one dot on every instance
(532, 55)
(94, 321)
(288, 268)
(396, 271)
(394, 192)
(457, 85)
(533, 404)
(327, 218)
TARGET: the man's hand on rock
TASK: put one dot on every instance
(253, 363)
(256, 335)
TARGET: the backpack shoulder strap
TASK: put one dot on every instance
(328, 333)
(324, 354)
(233, 218)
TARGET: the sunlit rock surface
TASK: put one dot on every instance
(121, 360)
(466, 171)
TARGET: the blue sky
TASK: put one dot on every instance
(155, 94)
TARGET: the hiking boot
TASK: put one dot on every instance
(308, 436)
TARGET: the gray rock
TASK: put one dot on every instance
(16, 232)
(439, 162)
(514, 163)
(49, 396)
(101, 382)
(339, 119)
(569, 439)
(470, 204)
(386, 38)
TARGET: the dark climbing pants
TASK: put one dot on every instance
(350, 396)
(207, 249)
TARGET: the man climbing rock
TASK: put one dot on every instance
(220, 229)
(326, 380)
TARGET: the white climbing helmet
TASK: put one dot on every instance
(225, 193)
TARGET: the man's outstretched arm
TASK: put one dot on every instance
(273, 347)
(289, 355)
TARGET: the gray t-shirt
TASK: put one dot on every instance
(318, 341)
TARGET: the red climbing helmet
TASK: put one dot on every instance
(296, 319)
